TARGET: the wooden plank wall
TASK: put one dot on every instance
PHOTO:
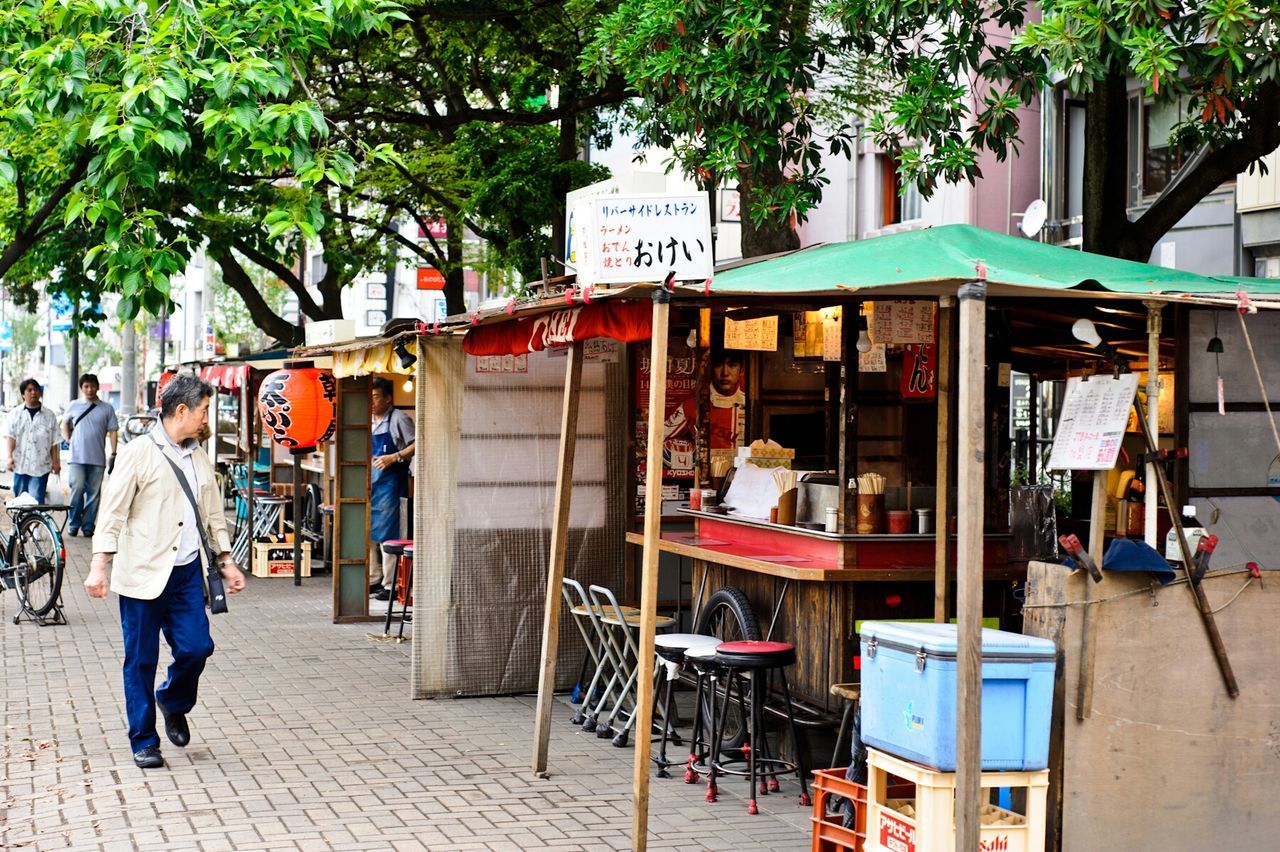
(1167, 760)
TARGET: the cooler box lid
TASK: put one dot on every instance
(939, 640)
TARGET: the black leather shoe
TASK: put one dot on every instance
(148, 758)
(73, 532)
(176, 728)
(382, 595)
(374, 587)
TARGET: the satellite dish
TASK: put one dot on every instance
(1033, 218)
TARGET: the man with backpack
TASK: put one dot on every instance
(85, 425)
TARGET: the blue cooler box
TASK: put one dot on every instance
(909, 695)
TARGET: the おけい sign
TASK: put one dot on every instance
(633, 238)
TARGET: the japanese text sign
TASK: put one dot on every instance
(902, 321)
(634, 238)
(1091, 428)
(760, 334)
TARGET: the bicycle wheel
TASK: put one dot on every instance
(38, 560)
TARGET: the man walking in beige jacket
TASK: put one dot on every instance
(148, 527)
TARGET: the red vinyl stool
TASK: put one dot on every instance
(754, 661)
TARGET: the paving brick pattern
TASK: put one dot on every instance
(305, 738)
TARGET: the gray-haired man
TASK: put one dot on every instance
(150, 527)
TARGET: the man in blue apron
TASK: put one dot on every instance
(391, 431)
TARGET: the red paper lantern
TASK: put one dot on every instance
(296, 405)
(165, 378)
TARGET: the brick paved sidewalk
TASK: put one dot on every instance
(305, 738)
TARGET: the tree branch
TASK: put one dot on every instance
(33, 230)
(263, 317)
(306, 304)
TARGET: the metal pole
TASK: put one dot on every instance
(1151, 508)
(74, 365)
(297, 521)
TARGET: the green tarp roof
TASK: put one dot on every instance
(943, 257)
(1252, 286)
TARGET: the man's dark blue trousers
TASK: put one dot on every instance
(179, 613)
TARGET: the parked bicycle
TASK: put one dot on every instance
(32, 561)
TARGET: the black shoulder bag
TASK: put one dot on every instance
(215, 592)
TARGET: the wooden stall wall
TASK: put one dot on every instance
(1166, 760)
(351, 501)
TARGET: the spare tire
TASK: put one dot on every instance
(728, 616)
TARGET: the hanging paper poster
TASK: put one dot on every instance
(1094, 416)
(760, 335)
(831, 336)
(874, 360)
(646, 237)
(919, 371)
(902, 321)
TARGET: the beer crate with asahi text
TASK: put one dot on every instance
(926, 822)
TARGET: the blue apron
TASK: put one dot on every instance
(387, 486)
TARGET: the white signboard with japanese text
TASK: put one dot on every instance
(758, 334)
(634, 238)
(1092, 425)
(902, 321)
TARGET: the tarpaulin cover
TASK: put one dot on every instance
(951, 254)
(626, 321)
(374, 359)
(489, 442)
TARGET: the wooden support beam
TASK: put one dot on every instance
(847, 406)
(970, 502)
(1089, 627)
(649, 572)
(559, 547)
(942, 510)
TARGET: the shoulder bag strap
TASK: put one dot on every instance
(186, 489)
(86, 413)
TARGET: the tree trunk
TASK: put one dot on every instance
(768, 237)
(263, 317)
(453, 272)
(1107, 229)
(566, 151)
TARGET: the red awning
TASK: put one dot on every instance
(225, 379)
(625, 321)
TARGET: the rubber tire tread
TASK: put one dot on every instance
(733, 598)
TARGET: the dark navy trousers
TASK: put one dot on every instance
(179, 614)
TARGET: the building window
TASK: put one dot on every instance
(901, 202)
(1161, 159)
(1266, 266)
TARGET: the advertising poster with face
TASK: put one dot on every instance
(726, 381)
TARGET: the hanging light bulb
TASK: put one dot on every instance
(864, 340)
(408, 385)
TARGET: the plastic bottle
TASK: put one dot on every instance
(1191, 528)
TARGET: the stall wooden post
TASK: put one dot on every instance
(1089, 625)
(1151, 508)
(970, 512)
(559, 547)
(847, 432)
(649, 571)
(942, 511)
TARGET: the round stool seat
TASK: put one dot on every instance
(672, 646)
(581, 610)
(395, 546)
(756, 654)
(703, 655)
(847, 691)
(408, 550)
(634, 619)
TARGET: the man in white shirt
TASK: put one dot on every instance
(33, 443)
(150, 526)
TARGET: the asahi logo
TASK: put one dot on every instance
(555, 328)
(896, 835)
(995, 844)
